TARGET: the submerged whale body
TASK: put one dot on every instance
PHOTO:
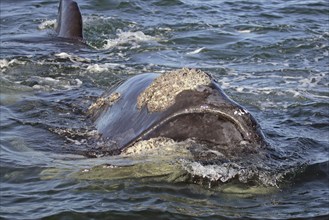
(180, 105)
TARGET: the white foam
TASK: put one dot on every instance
(268, 89)
(128, 37)
(4, 63)
(221, 173)
(79, 82)
(98, 68)
(244, 31)
(49, 83)
(63, 55)
(196, 51)
(72, 58)
(228, 171)
(47, 24)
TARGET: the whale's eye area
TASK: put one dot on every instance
(205, 127)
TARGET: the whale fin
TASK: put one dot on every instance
(69, 20)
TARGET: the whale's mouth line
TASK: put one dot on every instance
(201, 120)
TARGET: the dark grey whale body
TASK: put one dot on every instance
(180, 105)
(69, 20)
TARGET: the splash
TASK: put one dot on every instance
(231, 171)
(196, 51)
(72, 58)
(99, 68)
(47, 24)
(129, 37)
(4, 63)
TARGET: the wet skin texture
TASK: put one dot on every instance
(206, 115)
(69, 20)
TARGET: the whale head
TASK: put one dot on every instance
(180, 105)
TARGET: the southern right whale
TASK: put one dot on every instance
(180, 105)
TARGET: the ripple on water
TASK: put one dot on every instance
(272, 57)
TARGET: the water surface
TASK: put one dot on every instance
(270, 56)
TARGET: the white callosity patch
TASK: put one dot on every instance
(161, 146)
(146, 146)
(161, 94)
(100, 102)
(240, 112)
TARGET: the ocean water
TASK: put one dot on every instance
(272, 57)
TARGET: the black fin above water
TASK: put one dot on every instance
(69, 20)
